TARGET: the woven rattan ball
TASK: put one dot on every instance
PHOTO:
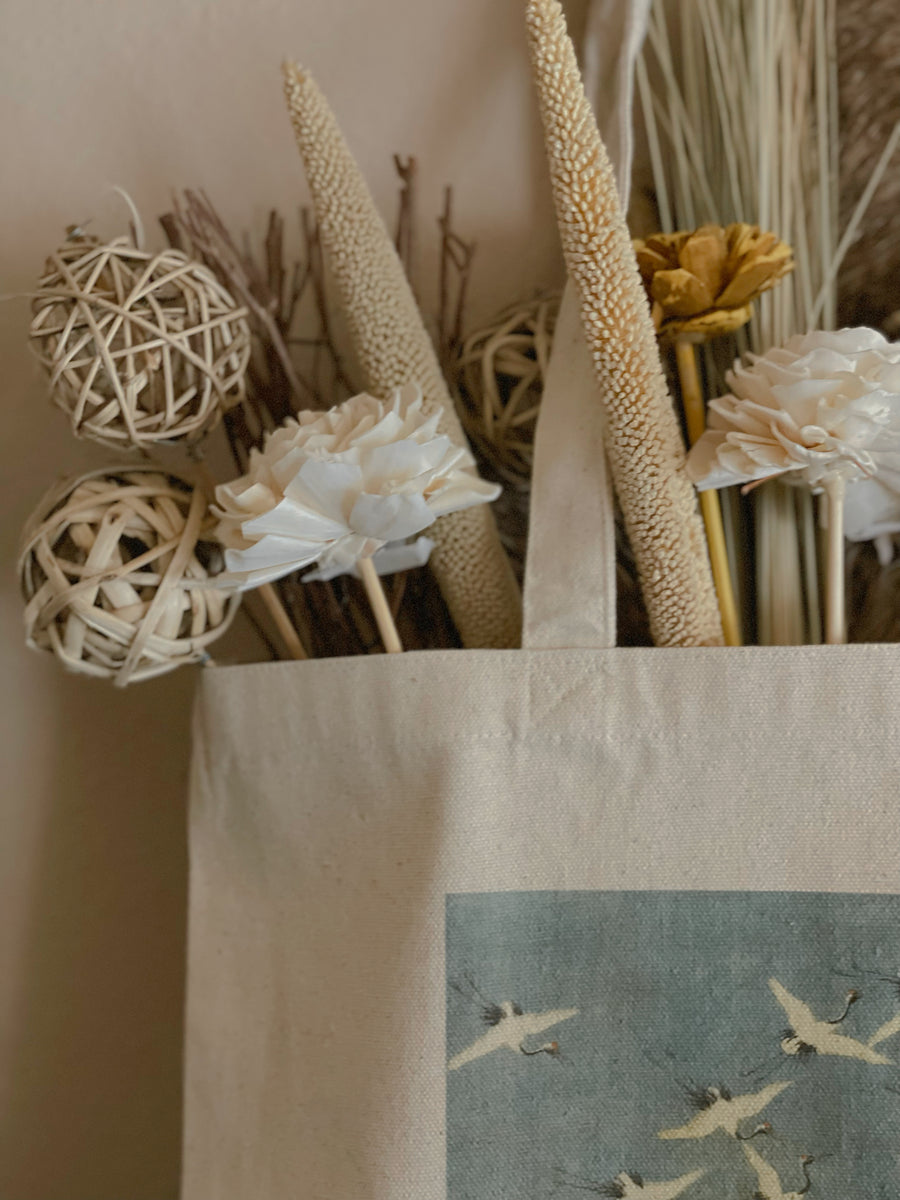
(140, 347)
(499, 377)
(115, 570)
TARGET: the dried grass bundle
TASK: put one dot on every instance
(741, 110)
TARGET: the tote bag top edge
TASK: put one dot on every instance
(638, 693)
(773, 657)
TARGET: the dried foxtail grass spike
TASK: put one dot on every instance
(115, 570)
(393, 348)
(645, 449)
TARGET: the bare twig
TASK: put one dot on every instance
(456, 260)
(326, 340)
(203, 229)
(406, 222)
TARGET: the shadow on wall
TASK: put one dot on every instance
(94, 1083)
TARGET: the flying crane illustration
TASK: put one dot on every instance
(888, 1030)
(891, 1027)
(720, 1110)
(769, 1182)
(510, 1027)
(628, 1185)
(807, 1035)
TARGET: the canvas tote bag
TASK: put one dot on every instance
(502, 925)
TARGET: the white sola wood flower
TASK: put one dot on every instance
(334, 487)
(823, 410)
(824, 407)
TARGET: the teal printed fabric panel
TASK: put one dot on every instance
(715, 1045)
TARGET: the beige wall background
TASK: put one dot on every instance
(92, 858)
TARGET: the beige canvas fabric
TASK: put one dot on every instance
(571, 535)
(346, 814)
(335, 804)
(612, 41)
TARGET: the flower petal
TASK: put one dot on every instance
(390, 518)
(337, 485)
(680, 293)
(327, 485)
(292, 520)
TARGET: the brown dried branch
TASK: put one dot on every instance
(455, 263)
(406, 216)
(325, 339)
(209, 240)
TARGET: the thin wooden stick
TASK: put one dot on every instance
(380, 607)
(404, 238)
(695, 417)
(711, 512)
(806, 521)
(267, 593)
(691, 392)
(835, 632)
(456, 256)
(289, 634)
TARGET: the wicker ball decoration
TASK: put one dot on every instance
(115, 569)
(140, 347)
(499, 378)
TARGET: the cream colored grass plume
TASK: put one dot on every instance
(394, 348)
(645, 448)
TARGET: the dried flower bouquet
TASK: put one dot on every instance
(337, 485)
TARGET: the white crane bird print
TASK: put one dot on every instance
(708, 1053)
(886, 1031)
(510, 1029)
(720, 1110)
(768, 1180)
(891, 1027)
(807, 1035)
(629, 1185)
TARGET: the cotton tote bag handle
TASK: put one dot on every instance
(570, 575)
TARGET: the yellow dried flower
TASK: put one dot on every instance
(703, 283)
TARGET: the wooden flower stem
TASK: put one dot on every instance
(282, 621)
(380, 607)
(267, 593)
(695, 418)
(835, 632)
